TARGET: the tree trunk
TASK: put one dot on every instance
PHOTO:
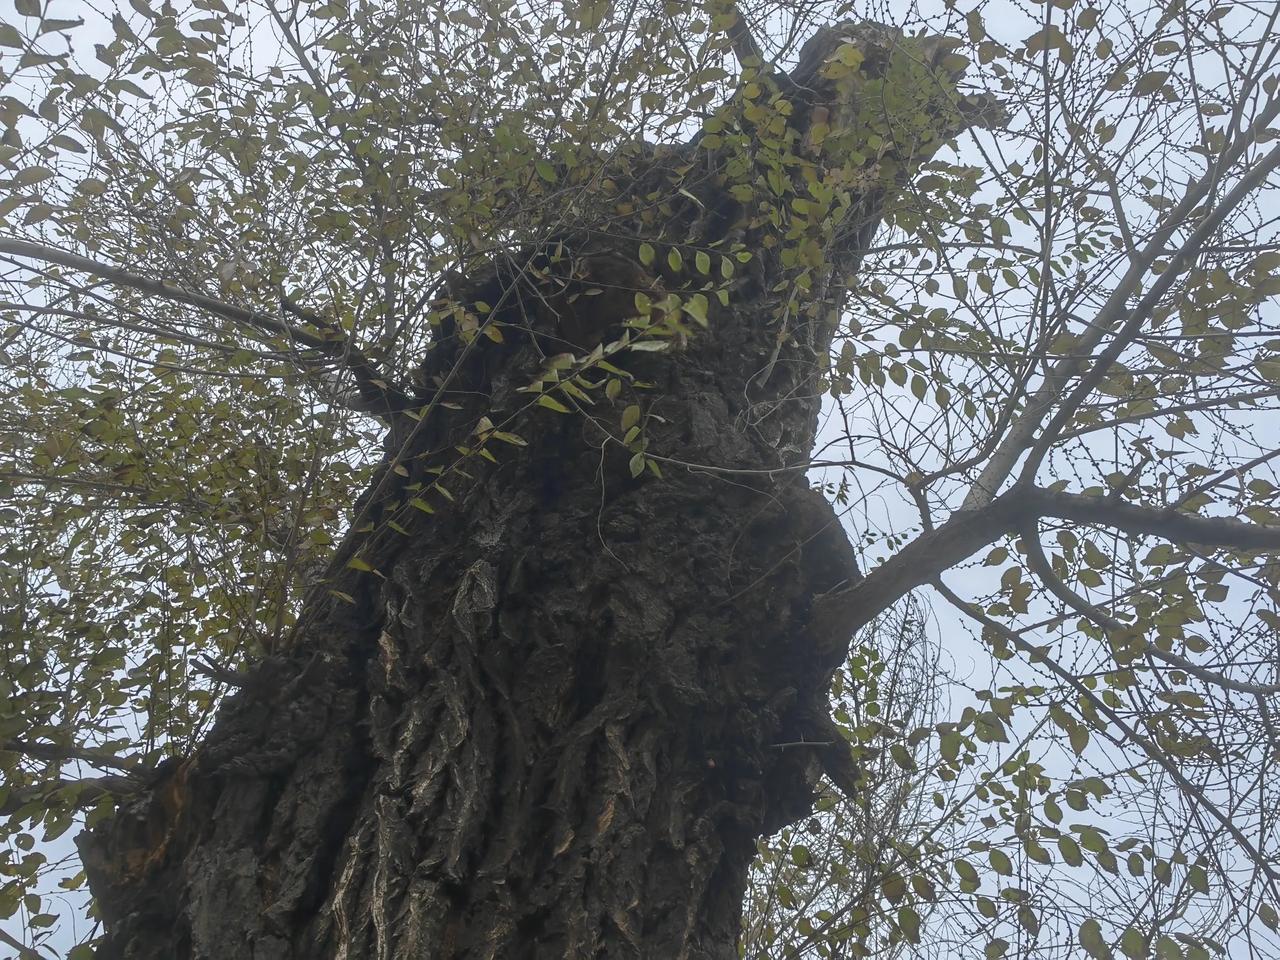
(557, 718)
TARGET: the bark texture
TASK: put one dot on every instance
(549, 726)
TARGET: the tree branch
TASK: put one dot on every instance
(745, 46)
(1258, 690)
(91, 789)
(1227, 474)
(1038, 655)
(1112, 314)
(1039, 564)
(58, 753)
(845, 610)
(1166, 523)
(25, 952)
(377, 395)
(1180, 262)
(835, 615)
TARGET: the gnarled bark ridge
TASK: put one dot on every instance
(549, 726)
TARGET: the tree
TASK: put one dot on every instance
(563, 290)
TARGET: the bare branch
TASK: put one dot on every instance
(1167, 523)
(1258, 690)
(58, 753)
(842, 611)
(25, 952)
(377, 395)
(835, 615)
(89, 791)
(1227, 474)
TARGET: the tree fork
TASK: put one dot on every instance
(549, 723)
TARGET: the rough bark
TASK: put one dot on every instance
(549, 726)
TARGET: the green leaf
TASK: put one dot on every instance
(1133, 943)
(646, 254)
(1079, 737)
(31, 175)
(1070, 851)
(1092, 840)
(1197, 879)
(977, 30)
(1269, 369)
(1000, 863)
(630, 417)
(37, 213)
(1118, 79)
(545, 170)
(702, 261)
(1094, 557)
(1090, 578)
(64, 142)
(1052, 810)
(1091, 939)
(909, 924)
(1151, 82)
(674, 260)
(1035, 851)
(949, 745)
(55, 26)
(10, 204)
(573, 390)
(1029, 920)
(30, 59)
(551, 403)
(696, 307)
(1268, 915)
